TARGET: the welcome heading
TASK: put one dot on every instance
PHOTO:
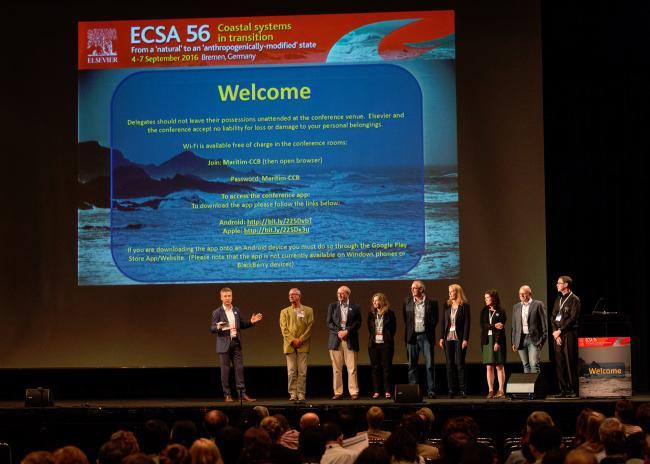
(253, 93)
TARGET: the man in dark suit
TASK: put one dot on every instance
(421, 317)
(529, 329)
(564, 320)
(343, 323)
(228, 324)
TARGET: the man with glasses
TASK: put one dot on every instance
(564, 321)
(420, 318)
(528, 333)
(296, 323)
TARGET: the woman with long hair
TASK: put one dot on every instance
(454, 339)
(493, 342)
(382, 325)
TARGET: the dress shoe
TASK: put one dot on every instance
(375, 396)
(431, 396)
(337, 397)
(559, 395)
(293, 398)
(388, 395)
(355, 397)
(301, 399)
(247, 399)
(463, 395)
(228, 399)
(570, 395)
(500, 394)
(490, 395)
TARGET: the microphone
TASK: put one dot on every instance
(595, 310)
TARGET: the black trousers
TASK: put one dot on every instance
(381, 361)
(456, 373)
(566, 361)
(233, 357)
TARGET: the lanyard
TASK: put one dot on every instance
(562, 303)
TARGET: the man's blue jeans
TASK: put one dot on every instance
(530, 355)
(413, 350)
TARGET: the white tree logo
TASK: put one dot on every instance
(100, 42)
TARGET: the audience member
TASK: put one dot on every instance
(311, 445)
(429, 419)
(175, 454)
(257, 446)
(309, 419)
(374, 419)
(70, 455)
(154, 438)
(581, 427)
(534, 420)
(279, 453)
(373, 455)
(38, 457)
(289, 437)
(417, 427)
(334, 451)
(580, 456)
(612, 436)
(593, 444)
(543, 439)
(204, 451)
(402, 446)
(184, 432)
(213, 421)
(230, 442)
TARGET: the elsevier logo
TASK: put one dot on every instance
(100, 45)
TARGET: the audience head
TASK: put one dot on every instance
(373, 455)
(138, 458)
(581, 426)
(257, 445)
(544, 438)
(230, 441)
(402, 445)
(261, 411)
(204, 451)
(154, 437)
(127, 440)
(476, 453)
(273, 428)
(428, 416)
(308, 420)
(175, 454)
(416, 426)
(636, 446)
(612, 436)
(284, 423)
(536, 419)
(311, 444)
(593, 426)
(38, 457)
(332, 433)
(580, 456)
(375, 417)
(70, 455)
(111, 452)
(184, 432)
(213, 421)
(643, 417)
(624, 411)
(348, 422)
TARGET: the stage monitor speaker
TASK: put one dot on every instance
(407, 393)
(38, 397)
(529, 386)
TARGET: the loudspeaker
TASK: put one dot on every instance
(38, 398)
(407, 393)
(530, 386)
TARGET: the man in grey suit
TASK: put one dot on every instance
(529, 328)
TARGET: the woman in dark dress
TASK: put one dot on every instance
(493, 342)
(381, 343)
(454, 339)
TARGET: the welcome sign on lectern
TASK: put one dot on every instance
(604, 367)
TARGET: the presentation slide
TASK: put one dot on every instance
(268, 149)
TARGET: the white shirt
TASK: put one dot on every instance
(336, 454)
(345, 307)
(419, 315)
(230, 314)
(525, 307)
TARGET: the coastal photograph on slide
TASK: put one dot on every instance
(268, 149)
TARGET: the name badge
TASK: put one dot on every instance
(558, 318)
(300, 314)
(379, 338)
(489, 332)
(453, 329)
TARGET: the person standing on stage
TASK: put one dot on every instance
(564, 321)
(493, 342)
(420, 320)
(454, 339)
(296, 323)
(382, 326)
(343, 323)
(529, 326)
(227, 323)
